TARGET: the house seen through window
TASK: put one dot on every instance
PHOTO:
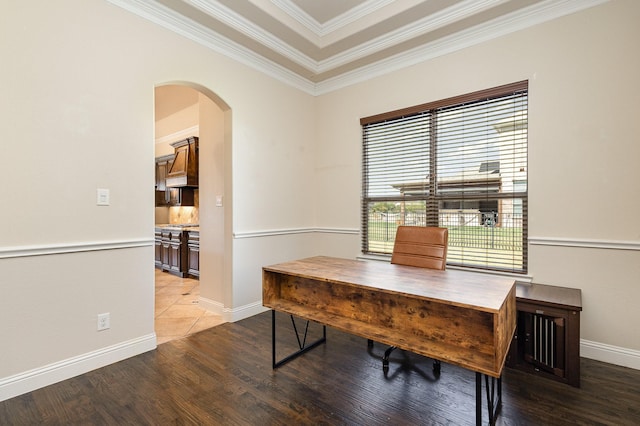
(459, 163)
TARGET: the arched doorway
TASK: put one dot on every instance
(184, 110)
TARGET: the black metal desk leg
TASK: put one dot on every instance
(478, 399)
(273, 339)
(494, 401)
(301, 343)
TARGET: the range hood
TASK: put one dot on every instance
(184, 170)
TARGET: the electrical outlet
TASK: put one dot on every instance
(104, 321)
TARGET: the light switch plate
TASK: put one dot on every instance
(103, 197)
(218, 200)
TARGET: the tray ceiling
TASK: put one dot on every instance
(322, 45)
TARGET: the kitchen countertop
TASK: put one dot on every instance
(181, 226)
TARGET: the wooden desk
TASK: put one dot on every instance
(462, 318)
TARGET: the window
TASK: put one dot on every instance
(459, 163)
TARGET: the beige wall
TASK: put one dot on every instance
(583, 154)
(177, 116)
(77, 114)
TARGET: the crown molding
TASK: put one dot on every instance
(496, 28)
(432, 22)
(179, 135)
(533, 15)
(352, 16)
(335, 24)
(166, 18)
(247, 28)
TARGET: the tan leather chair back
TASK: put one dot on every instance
(424, 247)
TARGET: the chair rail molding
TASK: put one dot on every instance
(66, 248)
(289, 231)
(585, 243)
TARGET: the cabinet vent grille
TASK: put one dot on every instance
(544, 337)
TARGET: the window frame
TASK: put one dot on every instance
(434, 196)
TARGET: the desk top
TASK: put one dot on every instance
(458, 317)
(479, 291)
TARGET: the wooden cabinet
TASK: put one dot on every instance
(193, 253)
(180, 196)
(163, 164)
(158, 248)
(184, 170)
(547, 338)
(177, 251)
(166, 196)
(170, 251)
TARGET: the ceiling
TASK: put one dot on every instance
(323, 45)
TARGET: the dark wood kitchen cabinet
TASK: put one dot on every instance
(158, 248)
(177, 251)
(547, 337)
(170, 251)
(184, 169)
(180, 196)
(166, 196)
(163, 164)
(193, 254)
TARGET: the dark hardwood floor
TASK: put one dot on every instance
(223, 376)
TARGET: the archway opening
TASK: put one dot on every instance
(189, 300)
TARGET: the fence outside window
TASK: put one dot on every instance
(472, 236)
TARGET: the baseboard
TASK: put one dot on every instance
(211, 306)
(610, 354)
(232, 315)
(245, 311)
(28, 381)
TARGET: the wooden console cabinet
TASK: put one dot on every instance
(547, 337)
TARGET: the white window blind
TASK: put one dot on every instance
(459, 163)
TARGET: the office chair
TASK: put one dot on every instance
(422, 247)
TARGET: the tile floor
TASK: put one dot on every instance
(178, 313)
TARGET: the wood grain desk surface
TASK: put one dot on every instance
(460, 288)
(459, 317)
